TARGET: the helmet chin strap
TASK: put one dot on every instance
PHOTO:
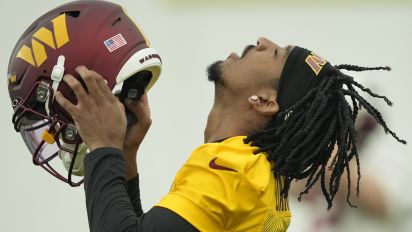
(66, 157)
(56, 76)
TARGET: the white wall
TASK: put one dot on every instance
(188, 39)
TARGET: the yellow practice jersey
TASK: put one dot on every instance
(225, 187)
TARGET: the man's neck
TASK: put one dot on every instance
(224, 124)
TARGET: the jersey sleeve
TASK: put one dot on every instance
(114, 205)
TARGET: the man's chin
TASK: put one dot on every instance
(214, 72)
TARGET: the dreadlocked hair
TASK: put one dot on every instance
(302, 145)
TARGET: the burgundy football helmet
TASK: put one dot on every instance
(97, 34)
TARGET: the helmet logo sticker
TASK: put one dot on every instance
(36, 55)
(115, 42)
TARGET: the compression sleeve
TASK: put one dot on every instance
(109, 206)
(133, 190)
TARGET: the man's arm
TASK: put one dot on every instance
(371, 199)
(101, 122)
(135, 134)
(108, 205)
(133, 191)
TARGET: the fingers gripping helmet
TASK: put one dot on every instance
(96, 34)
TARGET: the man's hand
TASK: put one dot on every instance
(99, 116)
(136, 133)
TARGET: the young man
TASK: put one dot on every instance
(278, 114)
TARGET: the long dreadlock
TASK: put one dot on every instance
(302, 145)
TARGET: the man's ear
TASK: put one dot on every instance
(264, 103)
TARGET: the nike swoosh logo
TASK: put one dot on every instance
(214, 165)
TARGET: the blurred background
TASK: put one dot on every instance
(189, 35)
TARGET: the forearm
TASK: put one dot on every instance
(130, 163)
(108, 204)
(371, 197)
(113, 205)
(133, 191)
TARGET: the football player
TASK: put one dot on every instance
(277, 115)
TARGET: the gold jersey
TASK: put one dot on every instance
(225, 187)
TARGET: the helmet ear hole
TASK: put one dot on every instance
(134, 87)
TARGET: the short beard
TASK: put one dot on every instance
(214, 72)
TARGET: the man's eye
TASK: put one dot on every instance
(276, 52)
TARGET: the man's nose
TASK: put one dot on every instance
(262, 44)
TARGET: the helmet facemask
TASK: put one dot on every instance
(48, 137)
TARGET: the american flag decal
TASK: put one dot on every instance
(115, 42)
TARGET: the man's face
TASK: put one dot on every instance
(258, 66)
